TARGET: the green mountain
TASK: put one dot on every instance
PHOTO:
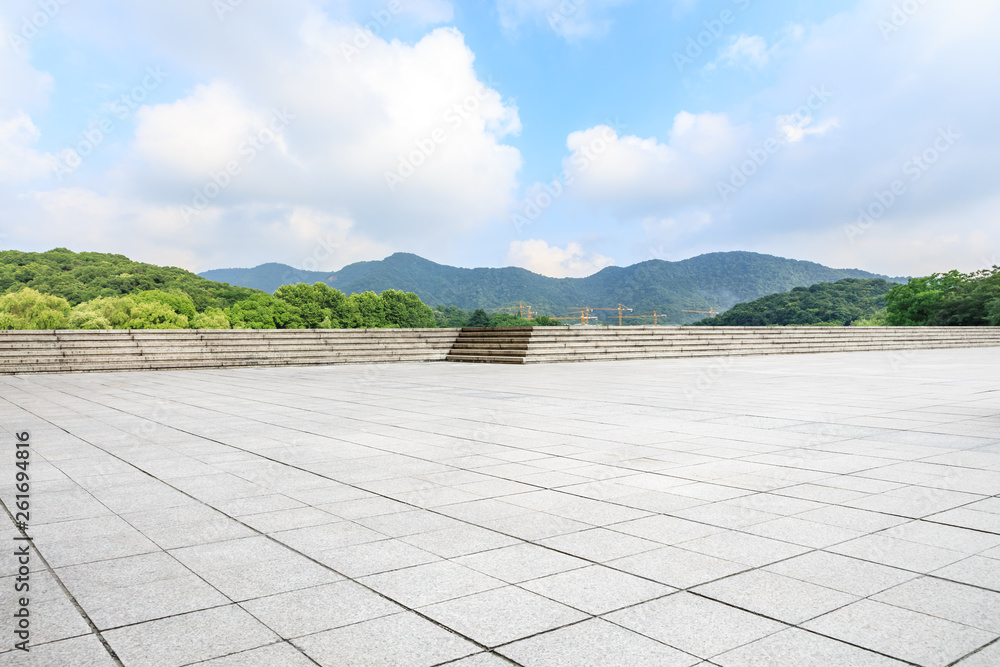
(79, 277)
(840, 303)
(716, 280)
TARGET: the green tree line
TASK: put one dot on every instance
(947, 299)
(845, 302)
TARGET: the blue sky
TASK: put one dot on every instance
(558, 135)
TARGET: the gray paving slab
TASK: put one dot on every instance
(813, 510)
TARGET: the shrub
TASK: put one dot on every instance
(212, 318)
(29, 309)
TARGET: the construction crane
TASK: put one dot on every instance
(655, 317)
(711, 312)
(583, 313)
(621, 309)
(520, 308)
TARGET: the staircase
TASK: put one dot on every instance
(493, 346)
(564, 344)
(62, 351)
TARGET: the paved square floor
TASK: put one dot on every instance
(837, 509)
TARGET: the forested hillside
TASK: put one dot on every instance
(842, 303)
(61, 289)
(716, 280)
(947, 299)
(83, 276)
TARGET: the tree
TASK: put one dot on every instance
(406, 310)
(263, 311)
(479, 319)
(178, 301)
(29, 309)
(212, 318)
(451, 317)
(127, 312)
(372, 310)
(319, 306)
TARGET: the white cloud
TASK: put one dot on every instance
(569, 262)
(18, 161)
(749, 51)
(357, 114)
(570, 19)
(641, 177)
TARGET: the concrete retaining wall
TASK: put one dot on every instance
(72, 351)
(550, 344)
(143, 349)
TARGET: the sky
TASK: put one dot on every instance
(562, 136)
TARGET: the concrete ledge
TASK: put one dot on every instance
(64, 351)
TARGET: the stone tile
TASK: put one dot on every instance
(426, 584)
(231, 553)
(976, 571)
(311, 610)
(666, 529)
(180, 640)
(841, 573)
(948, 600)
(985, 657)
(594, 643)
(502, 615)
(677, 567)
(894, 552)
(520, 562)
(375, 557)
(315, 539)
(268, 577)
(801, 649)
(951, 537)
(84, 651)
(681, 620)
(596, 589)
(482, 660)
(742, 548)
(900, 633)
(600, 544)
(775, 596)
(272, 655)
(802, 532)
(115, 607)
(416, 642)
(460, 541)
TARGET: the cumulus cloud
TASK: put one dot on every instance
(569, 262)
(404, 140)
(637, 176)
(18, 160)
(570, 19)
(748, 51)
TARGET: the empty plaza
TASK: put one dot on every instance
(800, 510)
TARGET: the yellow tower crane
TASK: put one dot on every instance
(621, 309)
(711, 312)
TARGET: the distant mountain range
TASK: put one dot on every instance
(717, 280)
